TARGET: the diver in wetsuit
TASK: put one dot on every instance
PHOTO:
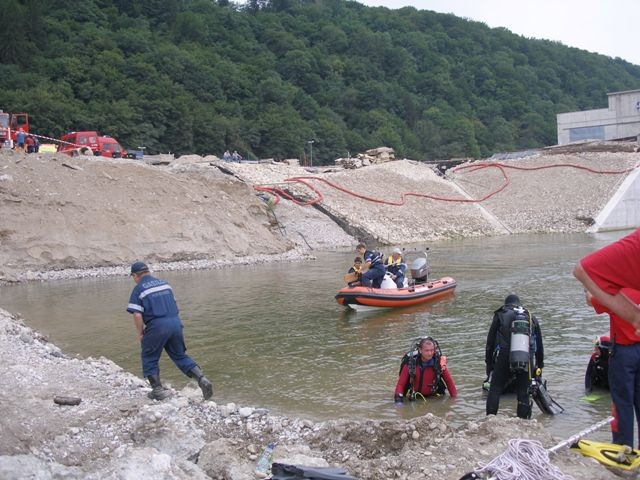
(503, 359)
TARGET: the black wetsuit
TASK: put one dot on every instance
(497, 360)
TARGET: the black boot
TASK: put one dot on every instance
(158, 392)
(203, 382)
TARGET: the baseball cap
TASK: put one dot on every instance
(138, 267)
(397, 250)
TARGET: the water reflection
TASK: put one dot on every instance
(273, 335)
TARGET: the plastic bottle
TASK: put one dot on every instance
(263, 467)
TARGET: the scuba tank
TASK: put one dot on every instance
(519, 352)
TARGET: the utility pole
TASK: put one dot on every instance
(310, 142)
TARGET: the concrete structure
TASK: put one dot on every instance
(620, 120)
(622, 211)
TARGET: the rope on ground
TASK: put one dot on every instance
(523, 460)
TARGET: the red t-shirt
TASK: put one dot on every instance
(616, 268)
(621, 331)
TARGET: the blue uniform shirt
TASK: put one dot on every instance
(373, 257)
(153, 298)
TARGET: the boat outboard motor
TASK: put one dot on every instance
(519, 353)
(420, 269)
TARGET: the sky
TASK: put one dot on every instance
(609, 27)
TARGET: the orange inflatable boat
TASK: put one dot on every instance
(365, 298)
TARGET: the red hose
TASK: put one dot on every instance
(279, 192)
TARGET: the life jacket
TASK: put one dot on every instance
(411, 359)
(391, 261)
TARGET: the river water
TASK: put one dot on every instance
(273, 336)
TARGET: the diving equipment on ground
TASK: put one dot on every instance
(609, 454)
(282, 471)
(511, 459)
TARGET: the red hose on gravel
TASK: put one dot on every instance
(280, 193)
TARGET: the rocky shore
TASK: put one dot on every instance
(81, 217)
(116, 432)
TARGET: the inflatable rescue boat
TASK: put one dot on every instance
(365, 298)
(420, 290)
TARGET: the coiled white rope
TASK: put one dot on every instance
(523, 460)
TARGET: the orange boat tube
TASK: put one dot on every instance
(364, 298)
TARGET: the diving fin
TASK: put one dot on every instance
(609, 454)
(542, 398)
(282, 471)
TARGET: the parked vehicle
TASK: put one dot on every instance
(10, 123)
(109, 147)
(90, 143)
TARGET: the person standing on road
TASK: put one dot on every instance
(155, 315)
(611, 277)
(21, 137)
(502, 360)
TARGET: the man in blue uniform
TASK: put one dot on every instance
(155, 315)
(373, 268)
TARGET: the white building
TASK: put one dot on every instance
(620, 120)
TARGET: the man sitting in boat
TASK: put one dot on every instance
(373, 268)
(353, 275)
(396, 267)
(424, 373)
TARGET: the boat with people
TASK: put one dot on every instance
(416, 291)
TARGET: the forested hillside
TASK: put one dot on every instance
(265, 78)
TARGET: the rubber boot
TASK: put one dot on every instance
(158, 392)
(203, 382)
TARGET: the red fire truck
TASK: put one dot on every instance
(10, 123)
(76, 143)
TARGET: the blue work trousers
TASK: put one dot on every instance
(164, 333)
(624, 383)
(373, 277)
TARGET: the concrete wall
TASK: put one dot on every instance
(622, 211)
(620, 120)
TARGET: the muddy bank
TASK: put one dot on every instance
(90, 216)
(116, 432)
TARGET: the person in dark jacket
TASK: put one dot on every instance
(155, 316)
(373, 268)
(501, 364)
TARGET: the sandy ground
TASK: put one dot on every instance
(64, 218)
